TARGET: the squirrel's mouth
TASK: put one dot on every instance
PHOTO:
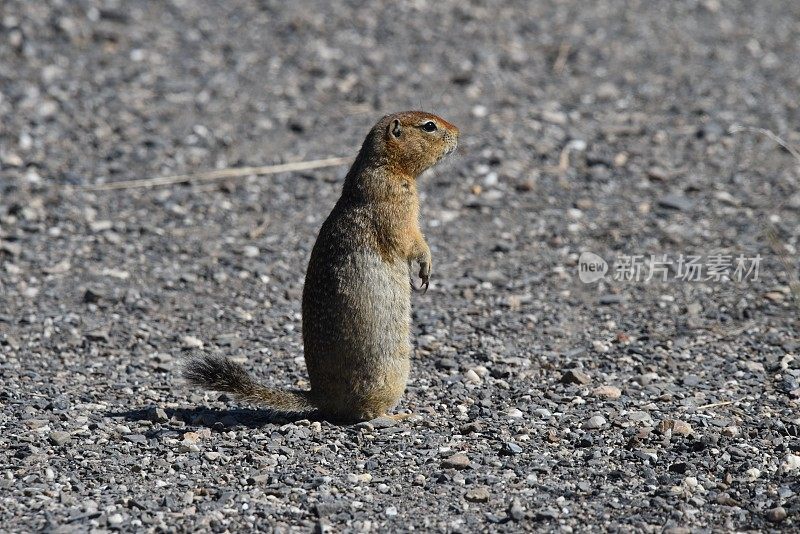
(453, 144)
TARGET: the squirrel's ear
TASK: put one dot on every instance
(395, 128)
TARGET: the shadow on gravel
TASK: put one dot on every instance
(210, 417)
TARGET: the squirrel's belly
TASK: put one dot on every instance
(356, 326)
(381, 291)
(368, 304)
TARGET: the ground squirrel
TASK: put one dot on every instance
(357, 293)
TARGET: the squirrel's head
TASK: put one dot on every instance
(410, 142)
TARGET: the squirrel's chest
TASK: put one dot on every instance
(395, 233)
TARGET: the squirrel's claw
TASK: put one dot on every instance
(424, 276)
(423, 286)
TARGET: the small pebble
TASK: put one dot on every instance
(456, 461)
(515, 511)
(191, 342)
(595, 422)
(479, 494)
(157, 415)
(479, 111)
(676, 202)
(472, 376)
(730, 431)
(510, 448)
(250, 251)
(776, 515)
(575, 376)
(791, 463)
(675, 426)
(607, 392)
(639, 416)
(60, 438)
(188, 446)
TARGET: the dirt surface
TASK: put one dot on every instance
(543, 402)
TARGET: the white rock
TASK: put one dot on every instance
(515, 413)
(188, 446)
(791, 463)
(191, 342)
(480, 370)
(358, 478)
(250, 251)
(31, 292)
(472, 376)
(117, 273)
(101, 226)
(574, 213)
(479, 111)
(555, 117)
(12, 160)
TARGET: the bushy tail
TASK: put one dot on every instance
(221, 374)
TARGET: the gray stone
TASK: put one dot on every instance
(479, 494)
(595, 422)
(60, 438)
(676, 202)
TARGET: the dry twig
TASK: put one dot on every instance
(236, 172)
(716, 405)
(736, 128)
(561, 60)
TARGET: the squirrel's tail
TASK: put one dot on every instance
(221, 374)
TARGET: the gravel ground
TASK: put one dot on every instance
(543, 403)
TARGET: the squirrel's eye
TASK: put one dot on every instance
(429, 126)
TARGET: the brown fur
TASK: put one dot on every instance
(356, 298)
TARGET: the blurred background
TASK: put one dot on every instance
(601, 127)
